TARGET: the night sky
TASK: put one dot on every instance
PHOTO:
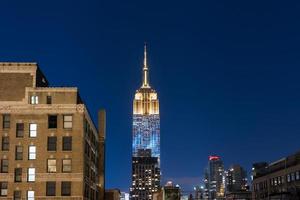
(227, 74)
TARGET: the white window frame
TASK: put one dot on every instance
(34, 99)
(30, 195)
(31, 174)
(32, 130)
(31, 152)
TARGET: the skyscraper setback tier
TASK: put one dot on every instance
(145, 140)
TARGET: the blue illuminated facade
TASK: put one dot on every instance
(146, 134)
(145, 140)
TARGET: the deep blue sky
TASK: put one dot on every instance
(227, 73)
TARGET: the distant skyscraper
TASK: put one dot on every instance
(146, 140)
(236, 179)
(215, 178)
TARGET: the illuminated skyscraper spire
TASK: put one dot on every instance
(145, 70)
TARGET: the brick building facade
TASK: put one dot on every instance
(50, 147)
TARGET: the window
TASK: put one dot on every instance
(30, 195)
(34, 99)
(67, 165)
(6, 121)
(19, 153)
(297, 175)
(18, 174)
(32, 130)
(50, 188)
(49, 100)
(67, 143)
(31, 175)
(51, 144)
(4, 166)
(51, 165)
(5, 143)
(52, 121)
(288, 178)
(65, 188)
(3, 188)
(20, 130)
(68, 121)
(17, 195)
(292, 176)
(32, 153)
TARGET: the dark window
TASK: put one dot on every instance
(17, 195)
(20, 130)
(19, 153)
(52, 121)
(67, 143)
(5, 143)
(67, 165)
(4, 166)
(18, 174)
(3, 189)
(52, 143)
(6, 121)
(65, 188)
(50, 188)
(49, 100)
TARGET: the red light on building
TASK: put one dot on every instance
(214, 157)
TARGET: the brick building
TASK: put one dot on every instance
(50, 147)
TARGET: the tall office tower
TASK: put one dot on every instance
(236, 179)
(216, 181)
(50, 148)
(146, 140)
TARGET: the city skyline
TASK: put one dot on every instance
(226, 73)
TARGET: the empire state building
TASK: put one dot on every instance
(145, 140)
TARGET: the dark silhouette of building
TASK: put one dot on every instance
(277, 180)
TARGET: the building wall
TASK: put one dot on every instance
(18, 83)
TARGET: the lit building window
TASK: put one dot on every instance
(32, 153)
(3, 188)
(32, 130)
(30, 195)
(31, 175)
(67, 165)
(34, 99)
(51, 165)
(68, 121)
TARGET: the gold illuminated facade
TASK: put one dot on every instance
(146, 140)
